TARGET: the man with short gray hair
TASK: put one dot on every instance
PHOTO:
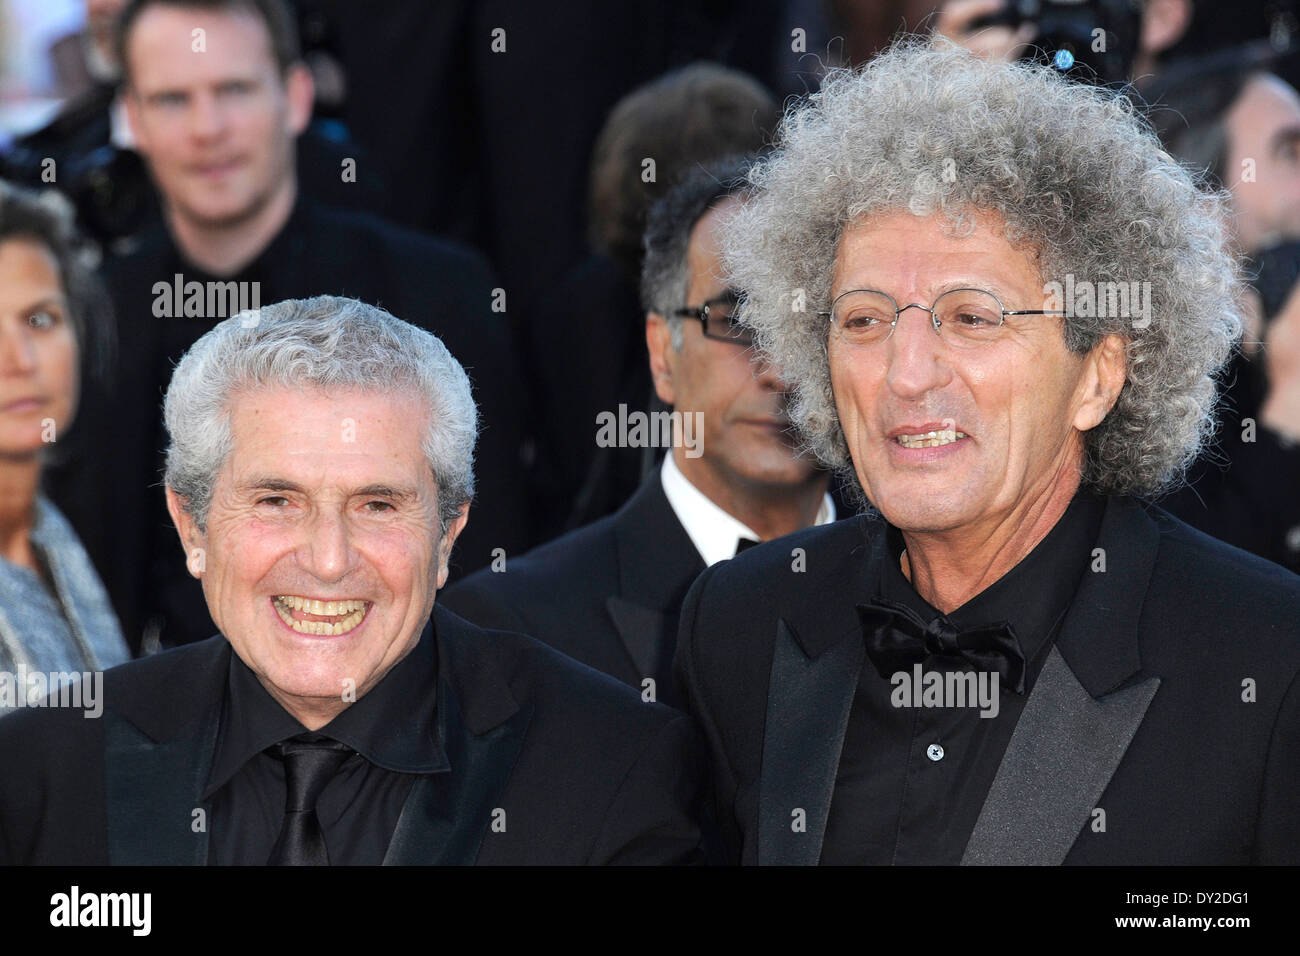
(319, 472)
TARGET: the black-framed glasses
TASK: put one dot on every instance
(964, 318)
(717, 318)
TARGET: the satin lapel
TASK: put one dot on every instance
(153, 790)
(647, 635)
(1060, 759)
(656, 564)
(808, 701)
(447, 814)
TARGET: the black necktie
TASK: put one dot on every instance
(310, 760)
(744, 544)
(897, 639)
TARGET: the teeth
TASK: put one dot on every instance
(355, 611)
(934, 439)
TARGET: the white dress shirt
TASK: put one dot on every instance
(714, 532)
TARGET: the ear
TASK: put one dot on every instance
(659, 343)
(139, 135)
(1104, 371)
(300, 91)
(193, 541)
(1163, 24)
(454, 529)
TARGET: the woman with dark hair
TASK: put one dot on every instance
(55, 616)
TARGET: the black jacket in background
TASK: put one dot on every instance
(1246, 493)
(110, 488)
(571, 767)
(608, 594)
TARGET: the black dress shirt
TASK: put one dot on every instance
(392, 730)
(893, 802)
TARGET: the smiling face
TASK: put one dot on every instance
(1022, 401)
(326, 497)
(216, 124)
(747, 439)
(38, 349)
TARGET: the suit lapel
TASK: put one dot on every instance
(1083, 711)
(1061, 757)
(158, 752)
(482, 730)
(647, 634)
(816, 662)
(446, 816)
(657, 563)
(808, 703)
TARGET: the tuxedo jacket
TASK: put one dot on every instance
(583, 770)
(608, 595)
(1170, 700)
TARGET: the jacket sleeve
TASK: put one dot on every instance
(1277, 834)
(654, 816)
(722, 842)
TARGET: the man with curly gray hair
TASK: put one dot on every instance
(1002, 307)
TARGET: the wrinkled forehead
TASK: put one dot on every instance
(908, 255)
(323, 431)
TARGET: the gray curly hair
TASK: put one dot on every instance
(324, 342)
(1072, 170)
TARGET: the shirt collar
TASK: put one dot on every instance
(392, 725)
(1033, 596)
(713, 531)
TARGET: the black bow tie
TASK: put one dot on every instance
(744, 544)
(897, 639)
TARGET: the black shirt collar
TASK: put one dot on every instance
(272, 264)
(1033, 596)
(392, 726)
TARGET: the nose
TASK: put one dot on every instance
(767, 376)
(17, 350)
(915, 354)
(327, 550)
(206, 118)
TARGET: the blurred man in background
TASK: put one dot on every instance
(1236, 123)
(609, 594)
(585, 334)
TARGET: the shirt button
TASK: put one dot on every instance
(934, 752)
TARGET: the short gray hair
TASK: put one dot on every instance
(325, 342)
(665, 273)
(1073, 172)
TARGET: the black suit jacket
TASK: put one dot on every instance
(608, 594)
(1140, 709)
(584, 771)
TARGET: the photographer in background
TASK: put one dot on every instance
(1138, 32)
(1231, 119)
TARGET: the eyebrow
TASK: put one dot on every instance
(50, 300)
(377, 490)
(996, 288)
(1285, 137)
(386, 491)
